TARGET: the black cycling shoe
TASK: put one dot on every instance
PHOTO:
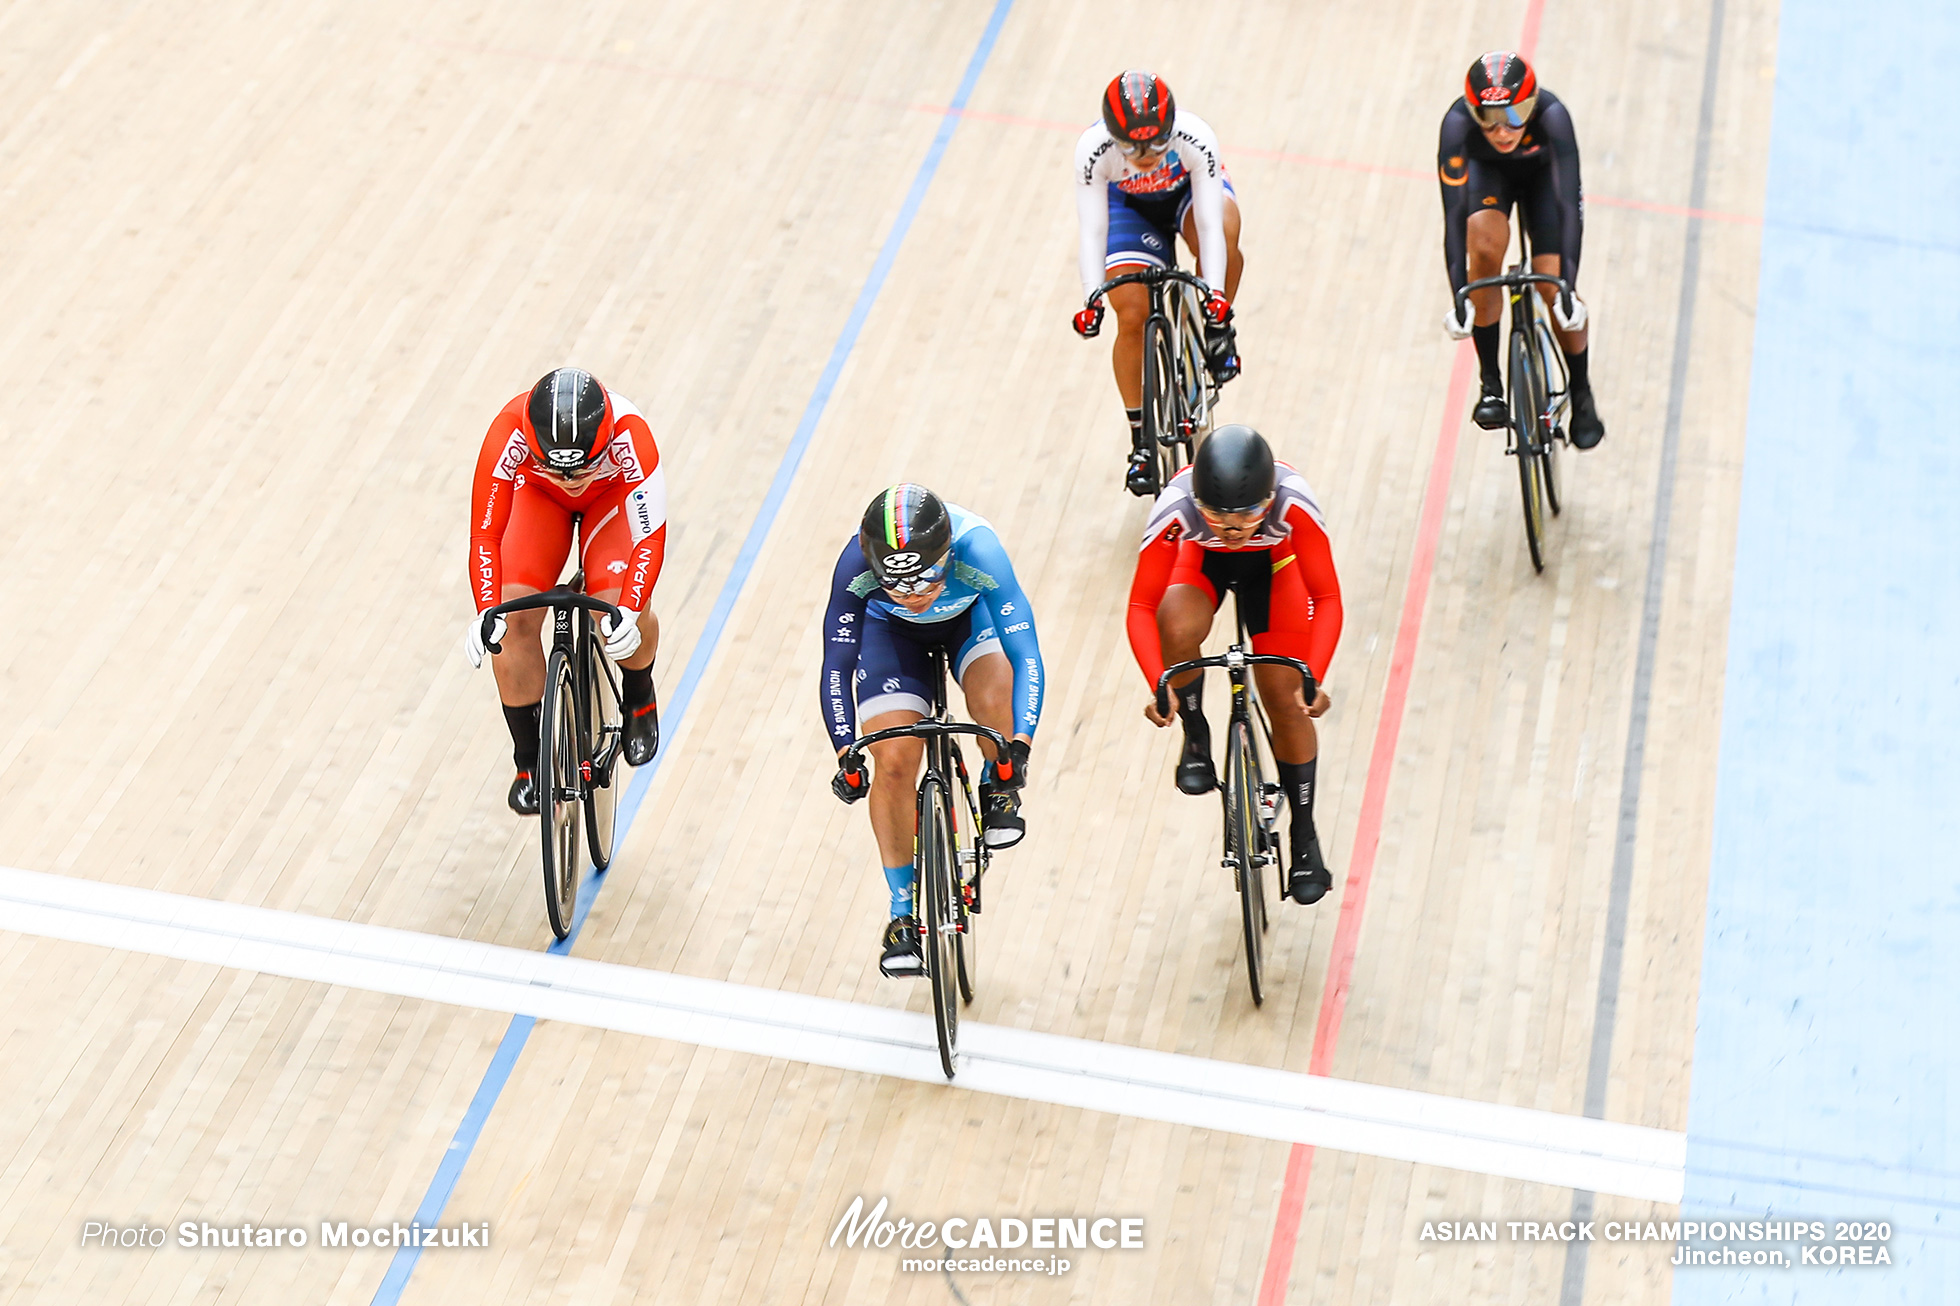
(1141, 478)
(1491, 412)
(523, 796)
(1587, 429)
(1195, 772)
(1001, 822)
(901, 958)
(641, 733)
(1310, 879)
(1221, 352)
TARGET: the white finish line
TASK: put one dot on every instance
(1512, 1142)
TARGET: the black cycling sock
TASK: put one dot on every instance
(1297, 779)
(1575, 365)
(1136, 425)
(523, 723)
(1191, 711)
(1486, 340)
(636, 687)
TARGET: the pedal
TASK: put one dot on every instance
(1269, 799)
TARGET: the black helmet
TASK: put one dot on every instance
(1138, 110)
(1233, 471)
(906, 535)
(568, 420)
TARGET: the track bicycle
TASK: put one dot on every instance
(1535, 389)
(950, 856)
(579, 741)
(1179, 393)
(1251, 801)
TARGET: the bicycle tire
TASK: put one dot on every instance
(559, 799)
(1548, 351)
(935, 843)
(1159, 395)
(599, 746)
(1525, 410)
(1242, 848)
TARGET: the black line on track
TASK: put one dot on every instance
(1572, 1290)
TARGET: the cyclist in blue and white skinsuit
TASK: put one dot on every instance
(1147, 173)
(922, 574)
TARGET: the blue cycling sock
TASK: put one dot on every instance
(900, 879)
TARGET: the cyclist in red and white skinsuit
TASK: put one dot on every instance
(1236, 519)
(568, 456)
(1145, 174)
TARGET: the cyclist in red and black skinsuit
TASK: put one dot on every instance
(1506, 141)
(1237, 520)
(569, 456)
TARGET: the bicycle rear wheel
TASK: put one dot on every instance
(941, 919)
(1551, 392)
(1160, 397)
(1526, 406)
(599, 732)
(559, 798)
(1194, 384)
(970, 859)
(1242, 849)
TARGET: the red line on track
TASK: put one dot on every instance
(1528, 37)
(1368, 829)
(1048, 124)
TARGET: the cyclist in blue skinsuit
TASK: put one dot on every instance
(923, 574)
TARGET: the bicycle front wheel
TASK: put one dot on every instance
(941, 920)
(1242, 848)
(559, 793)
(1195, 387)
(1160, 406)
(1526, 426)
(599, 733)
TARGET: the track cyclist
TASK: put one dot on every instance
(568, 455)
(1143, 174)
(1508, 140)
(1236, 519)
(922, 573)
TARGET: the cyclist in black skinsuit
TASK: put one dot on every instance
(1509, 141)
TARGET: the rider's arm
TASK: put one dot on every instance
(1153, 577)
(1315, 557)
(843, 624)
(1556, 123)
(1013, 617)
(491, 491)
(645, 510)
(1094, 154)
(1197, 145)
(1453, 175)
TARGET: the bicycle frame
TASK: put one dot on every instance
(1177, 311)
(1261, 847)
(948, 893)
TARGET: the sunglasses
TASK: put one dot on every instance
(1244, 519)
(922, 583)
(563, 474)
(1513, 116)
(1147, 149)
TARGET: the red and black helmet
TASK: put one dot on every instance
(568, 420)
(1138, 110)
(1501, 89)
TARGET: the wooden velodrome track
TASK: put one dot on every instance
(270, 270)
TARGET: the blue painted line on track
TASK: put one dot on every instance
(1826, 1079)
(674, 711)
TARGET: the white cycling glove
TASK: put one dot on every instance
(1578, 318)
(474, 644)
(1459, 327)
(622, 634)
